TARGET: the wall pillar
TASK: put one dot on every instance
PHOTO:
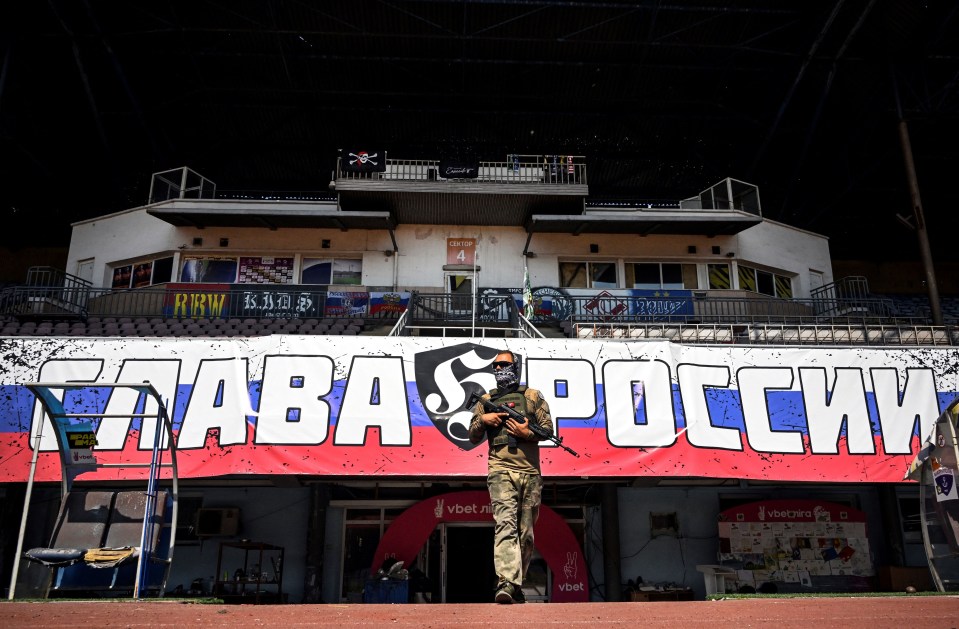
(315, 540)
(611, 550)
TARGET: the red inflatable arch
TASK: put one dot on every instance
(554, 539)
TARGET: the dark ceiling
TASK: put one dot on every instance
(801, 98)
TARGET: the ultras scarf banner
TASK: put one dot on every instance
(358, 406)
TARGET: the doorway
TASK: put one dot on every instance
(468, 559)
(85, 270)
(460, 288)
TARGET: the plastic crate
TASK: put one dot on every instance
(386, 591)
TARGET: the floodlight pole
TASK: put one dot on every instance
(920, 226)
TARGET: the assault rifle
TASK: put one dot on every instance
(492, 407)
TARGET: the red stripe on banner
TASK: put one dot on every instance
(433, 455)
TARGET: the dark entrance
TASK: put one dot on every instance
(470, 576)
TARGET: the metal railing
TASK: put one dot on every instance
(728, 194)
(699, 317)
(710, 307)
(850, 294)
(527, 169)
(446, 312)
(158, 301)
(749, 334)
(48, 291)
(294, 299)
(48, 276)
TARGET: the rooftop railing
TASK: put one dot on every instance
(525, 169)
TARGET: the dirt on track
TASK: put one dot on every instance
(849, 613)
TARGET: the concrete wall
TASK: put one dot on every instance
(270, 514)
(667, 559)
(132, 236)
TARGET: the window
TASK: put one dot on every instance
(162, 270)
(143, 274)
(338, 271)
(660, 275)
(121, 276)
(212, 270)
(588, 275)
(765, 283)
(719, 276)
(188, 507)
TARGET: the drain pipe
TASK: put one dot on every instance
(396, 263)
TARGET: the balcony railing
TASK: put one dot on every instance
(695, 318)
(700, 307)
(526, 169)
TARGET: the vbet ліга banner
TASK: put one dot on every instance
(361, 406)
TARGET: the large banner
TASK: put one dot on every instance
(377, 406)
(635, 304)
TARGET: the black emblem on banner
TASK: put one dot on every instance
(445, 378)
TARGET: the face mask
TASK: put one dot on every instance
(507, 376)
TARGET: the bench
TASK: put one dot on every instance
(95, 545)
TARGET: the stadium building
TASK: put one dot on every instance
(733, 416)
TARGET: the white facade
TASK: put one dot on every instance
(135, 236)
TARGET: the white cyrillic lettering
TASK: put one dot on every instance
(219, 400)
(578, 377)
(375, 395)
(294, 383)
(693, 380)
(59, 371)
(826, 411)
(919, 402)
(629, 385)
(753, 384)
(163, 375)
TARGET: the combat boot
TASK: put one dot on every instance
(518, 596)
(504, 593)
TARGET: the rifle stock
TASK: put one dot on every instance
(535, 428)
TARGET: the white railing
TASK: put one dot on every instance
(531, 169)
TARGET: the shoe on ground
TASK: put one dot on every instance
(504, 594)
(518, 596)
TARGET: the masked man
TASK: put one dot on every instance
(514, 479)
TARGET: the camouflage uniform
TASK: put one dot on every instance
(515, 486)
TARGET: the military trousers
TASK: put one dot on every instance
(515, 498)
